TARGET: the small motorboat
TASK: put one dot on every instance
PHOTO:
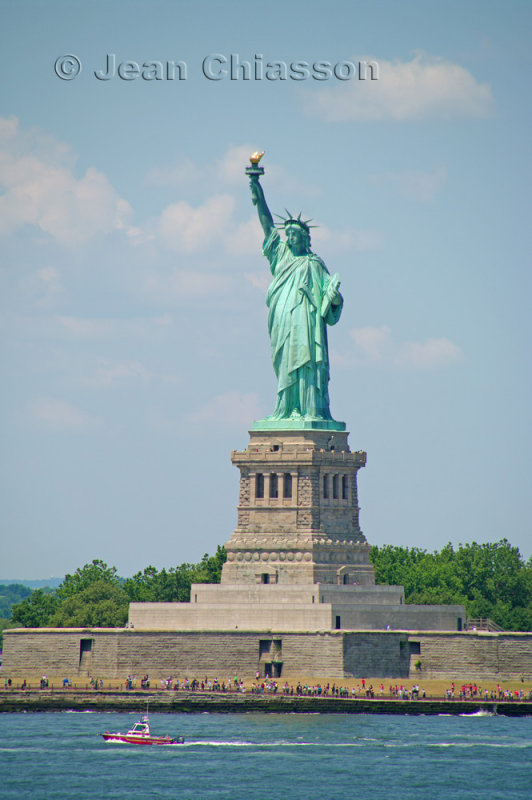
(140, 734)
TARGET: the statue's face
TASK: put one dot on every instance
(295, 239)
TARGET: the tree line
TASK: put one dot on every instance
(96, 596)
(10, 594)
(490, 580)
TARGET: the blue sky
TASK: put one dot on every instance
(134, 350)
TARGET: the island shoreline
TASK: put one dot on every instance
(33, 700)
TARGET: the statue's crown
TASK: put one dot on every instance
(286, 222)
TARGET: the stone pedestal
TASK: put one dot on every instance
(297, 561)
(298, 511)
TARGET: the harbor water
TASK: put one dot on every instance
(263, 756)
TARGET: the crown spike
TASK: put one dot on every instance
(291, 220)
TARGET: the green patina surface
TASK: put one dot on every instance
(303, 299)
(297, 423)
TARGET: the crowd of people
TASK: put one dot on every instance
(270, 686)
(470, 691)
(195, 685)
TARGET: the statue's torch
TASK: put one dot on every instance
(254, 171)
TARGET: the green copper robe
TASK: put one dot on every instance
(298, 314)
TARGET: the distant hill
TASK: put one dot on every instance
(39, 583)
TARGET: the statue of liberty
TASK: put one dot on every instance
(302, 300)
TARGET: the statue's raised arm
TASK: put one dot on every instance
(257, 194)
(303, 300)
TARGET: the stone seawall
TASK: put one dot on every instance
(188, 702)
(478, 653)
(327, 655)
(116, 653)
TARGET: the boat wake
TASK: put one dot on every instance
(482, 712)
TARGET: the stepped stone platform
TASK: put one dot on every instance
(297, 560)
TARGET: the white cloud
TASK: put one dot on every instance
(86, 328)
(191, 230)
(60, 415)
(42, 190)
(185, 171)
(376, 346)
(179, 284)
(425, 87)
(21, 141)
(44, 286)
(229, 409)
(107, 373)
(183, 228)
(104, 327)
(8, 128)
(346, 239)
(138, 236)
(188, 229)
(414, 184)
(227, 169)
(372, 343)
(260, 280)
(431, 353)
(244, 239)
(230, 168)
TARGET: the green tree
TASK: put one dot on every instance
(102, 604)
(96, 596)
(173, 585)
(10, 594)
(35, 611)
(150, 585)
(490, 580)
(83, 577)
(91, 596)
(209, 569)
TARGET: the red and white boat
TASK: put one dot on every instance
(140, 734)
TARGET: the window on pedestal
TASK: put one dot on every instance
(344, 487)
(287, 485)
(335, 487)
(326, 486)
(274, 485)
(259, 485)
